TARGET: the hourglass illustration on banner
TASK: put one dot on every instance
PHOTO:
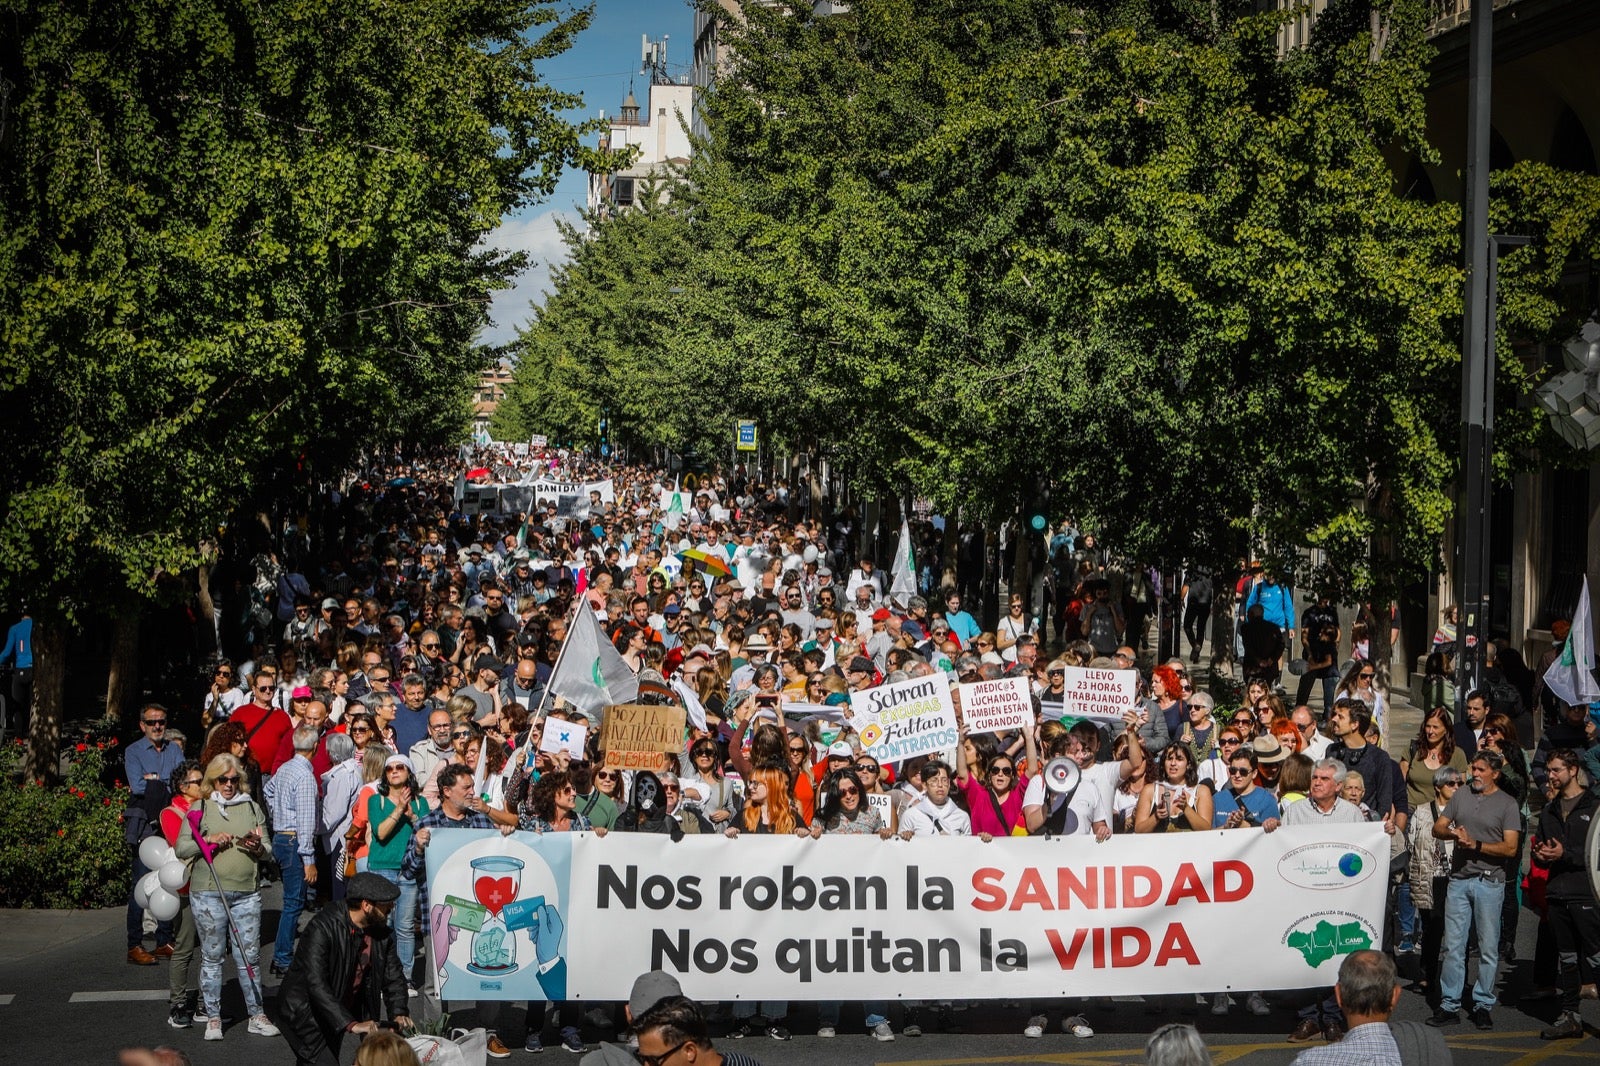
(496, 880)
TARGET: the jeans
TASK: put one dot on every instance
(772, 1010)
(211, 920)
(405, 918)
(828, 1010)
(1329, 676)
(286, 850)
(1576, 925)
(1470, 900)
(1406, 912)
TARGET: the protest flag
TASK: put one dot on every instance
(904, 583)
(590, 673)
(1571, 677)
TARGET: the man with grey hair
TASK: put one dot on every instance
(1322, 806)
(1176, 1044)
(1368, 993)
(292, 797)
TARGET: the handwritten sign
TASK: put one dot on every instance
(639, 737)
(563, 736)
(905, 719)
(996, 706)
(1100, 695)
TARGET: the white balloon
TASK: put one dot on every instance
(163, 905)
(173, 875)
(146, 884)
(810, 554)
(154, 852)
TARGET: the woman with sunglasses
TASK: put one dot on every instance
(1175, 801)
(1430, 866)
(224, 886)
(993, 787)
(845, 811)
(358, 834)
(393, 812)
(707, 788)
(185, 784)
(611, 784)
(1213, 771)
(1360, 683)
(872, 777)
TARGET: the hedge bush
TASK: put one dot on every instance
(61, 846)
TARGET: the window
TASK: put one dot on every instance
(622, 192)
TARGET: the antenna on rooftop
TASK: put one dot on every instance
(653, 59)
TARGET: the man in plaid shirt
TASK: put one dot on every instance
(453, 812)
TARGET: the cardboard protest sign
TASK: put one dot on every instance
(997, 706)
(639, 737)
(905, 719)
(563, 736)
(1100, 695)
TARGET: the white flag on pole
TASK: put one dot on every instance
(1571, 677)
(904, 584)
(591, 674)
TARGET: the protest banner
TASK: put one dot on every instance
(538, 440)
(996, 706)
(572, 915)
(905, 719)
(570, 497)
(638, 736)
(1101, 696)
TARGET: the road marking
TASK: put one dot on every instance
(5, 1000)
(118, 997)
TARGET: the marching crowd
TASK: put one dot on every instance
(401, 684)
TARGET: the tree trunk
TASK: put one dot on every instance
(49, 676)
(1022, 565)
(952, 547)
(122, 683)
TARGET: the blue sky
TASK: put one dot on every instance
(601, 65)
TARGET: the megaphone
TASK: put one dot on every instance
(1061, 775)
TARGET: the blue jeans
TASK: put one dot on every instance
(771, 1010)
(286, 850)
(875, 1010)
(1410, 925)
(1469, 901)
(211, 921)
(405, 919)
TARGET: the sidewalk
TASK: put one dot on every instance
(24, 933)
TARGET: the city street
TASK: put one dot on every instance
(66, 971)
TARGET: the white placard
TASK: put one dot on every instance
(996, 706)
(563, 736)
(905, 719)
(1100, 695)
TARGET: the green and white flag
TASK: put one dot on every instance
(1571, 677)
(591, 674)
(903, 583)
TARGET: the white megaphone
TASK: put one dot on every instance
(1061, 775)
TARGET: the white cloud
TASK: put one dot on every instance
(536, 235)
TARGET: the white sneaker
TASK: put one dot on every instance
(1078, 1026)
(1219, 1003)
(261, 1025)
(1258, 1005)
(826, 1031)
(1035, 1028)
(213, 1030)
(883, 1032)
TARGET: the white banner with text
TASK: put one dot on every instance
(576, 916)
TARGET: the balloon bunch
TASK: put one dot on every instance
(157, 891)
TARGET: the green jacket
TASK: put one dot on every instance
(234, 871)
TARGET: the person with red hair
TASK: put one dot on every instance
(1166, 692)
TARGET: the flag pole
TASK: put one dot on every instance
(560, 655)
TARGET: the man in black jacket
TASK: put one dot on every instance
(345, 961)
(1559, 847)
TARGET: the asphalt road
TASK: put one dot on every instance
(70, 998)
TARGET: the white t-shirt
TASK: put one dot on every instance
(1013, 628)
(1089, 803)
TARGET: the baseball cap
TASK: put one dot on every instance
(301, 692)
(841, 749)
(881, 614)
(649, 989)
(330, 604)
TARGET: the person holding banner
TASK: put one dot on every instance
(1177, 802)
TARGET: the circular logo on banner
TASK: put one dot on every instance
(1327, 865)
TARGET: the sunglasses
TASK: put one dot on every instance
(460, 734)
(431, 647)
(1235, 771)
(849, 792)
(606, 775)
(1230, 740)
(998, 771)
(866, 768)
(224, 673)
(154, 721)
(359, 730)
(658, 1060)
(264, 688)
(192, 784)
(1367, 677)
(231, 779)
(797, 748)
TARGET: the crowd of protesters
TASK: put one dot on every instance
(401, 686)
